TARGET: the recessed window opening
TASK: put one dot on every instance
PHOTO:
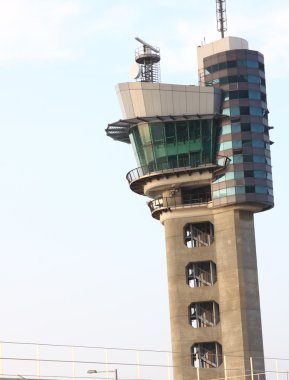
(196, 196)
(204, 314)
(207, 355)
(199, 234)
(201, 274)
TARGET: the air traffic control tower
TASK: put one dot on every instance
(203, 157)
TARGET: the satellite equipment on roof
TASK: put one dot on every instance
(146, 68)
(221, 16)
(135, 71)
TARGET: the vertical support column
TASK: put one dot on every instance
(73, 361)
(169, 365)
(37, 362)
(1, 360)
(181, 295)
(225, 368)
(211, 273)
(106, 363)
(239, 294)
(251, 368)
(138, 365)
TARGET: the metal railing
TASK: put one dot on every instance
(201, 277)
(207, 359)
(183, 201)
(154, 168)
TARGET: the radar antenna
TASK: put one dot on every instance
(145, 44)
(221, 16)
(147, 59)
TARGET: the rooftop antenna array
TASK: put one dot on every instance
(221, 16)
(146, 68)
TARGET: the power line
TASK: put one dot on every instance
(23, 376)
(87, 362)
(228, 355)
(88, 347)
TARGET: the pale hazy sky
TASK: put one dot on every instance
(82, 261)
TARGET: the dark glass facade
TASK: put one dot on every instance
(243, 134)
(177, 144)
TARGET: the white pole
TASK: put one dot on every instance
(169, 366)
(198, 368)
(251, 367)
(277, 370)
(138, 365)
(37, 362)
(106, 363)
(73, 361)
(225, 367)
(1, 360)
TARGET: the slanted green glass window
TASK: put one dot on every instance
(157, 133)
(170, 133)
(182, 131)
(175, 144)
(194, 130)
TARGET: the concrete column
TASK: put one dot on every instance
(236, 291)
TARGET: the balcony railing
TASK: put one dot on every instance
(147, 170)
(159, 168)
(182, 201)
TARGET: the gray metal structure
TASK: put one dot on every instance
(148, 58)
(221, 16)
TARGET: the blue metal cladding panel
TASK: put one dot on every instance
(243, 135)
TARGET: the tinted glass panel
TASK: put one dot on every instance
(157, 132)
(182, 131)
(253, 64)
(254, 95)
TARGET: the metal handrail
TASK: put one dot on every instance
(154, 168)
(212, 359)
(167, 202)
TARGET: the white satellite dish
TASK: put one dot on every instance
(135, 71)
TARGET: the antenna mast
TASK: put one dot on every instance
(221, 16)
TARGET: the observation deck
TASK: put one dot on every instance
(139, 177)
(167, 204)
